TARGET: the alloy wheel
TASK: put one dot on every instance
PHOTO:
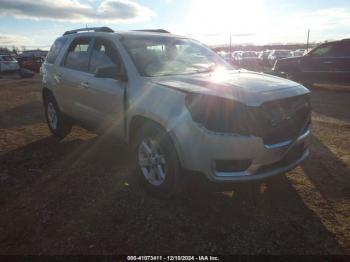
(52, 115)
(152, 161)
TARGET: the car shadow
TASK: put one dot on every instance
(336, 105)
(27, 114)
(83, 198)
(328, 173)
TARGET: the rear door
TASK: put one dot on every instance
(73, 74)
(104, 97)
(319, 65)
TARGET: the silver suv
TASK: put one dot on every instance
(177, 104)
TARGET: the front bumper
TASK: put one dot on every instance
(200, 149)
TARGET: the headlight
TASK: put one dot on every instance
(218, 114)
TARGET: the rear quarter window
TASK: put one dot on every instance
(55, 50)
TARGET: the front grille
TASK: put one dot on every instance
(283, 119)
(274, 121)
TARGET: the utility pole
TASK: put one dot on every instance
(230, 44)
(307, 43)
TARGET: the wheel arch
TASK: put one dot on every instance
(46, 92)
(138, 121)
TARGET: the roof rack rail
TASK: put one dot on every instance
(163, 31)
(87, 29)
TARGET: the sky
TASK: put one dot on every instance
(37, 23)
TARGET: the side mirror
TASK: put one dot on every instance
(111, 71)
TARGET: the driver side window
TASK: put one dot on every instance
(103, 54)
(77, 57)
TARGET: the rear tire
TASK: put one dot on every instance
(157, 163)
(59, 126)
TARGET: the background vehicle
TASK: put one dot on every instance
(263, 57)
(298, 53)
(8, 63)
(226, 56)
(304, 51)
(327, 63)
(31, 63)
(235, 55)
(247, 59)
(177, 104)
(276, 55)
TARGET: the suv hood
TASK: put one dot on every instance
(251, 88)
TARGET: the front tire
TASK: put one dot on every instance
(157, 163)
(59, 126)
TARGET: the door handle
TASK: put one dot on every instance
(58, 78)
(84, 85)
(328, 62)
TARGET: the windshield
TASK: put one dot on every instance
(160, 56)
(280, 52)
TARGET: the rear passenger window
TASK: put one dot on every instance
(55, 50)
(103, 54)
(324, 51)
(77, 57)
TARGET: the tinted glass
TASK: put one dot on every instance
(103, 54)
(78, 56)
(323, 51)
(55, 50)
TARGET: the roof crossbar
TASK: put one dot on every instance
(154, 31)
(88, 29)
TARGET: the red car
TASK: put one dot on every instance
(31, 63)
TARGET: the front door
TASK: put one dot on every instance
(104, 97)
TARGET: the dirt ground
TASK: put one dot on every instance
(77, 196)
